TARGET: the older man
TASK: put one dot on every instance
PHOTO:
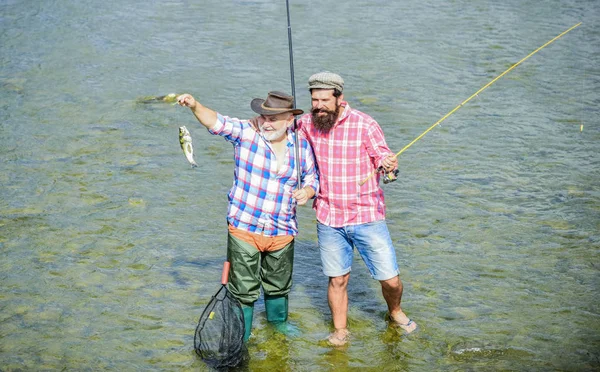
(349, 146)
(262, 201)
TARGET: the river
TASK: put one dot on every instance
(112, 244)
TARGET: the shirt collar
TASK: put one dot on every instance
(290, 136)
(345, 113)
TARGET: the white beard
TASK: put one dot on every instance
(270, 136)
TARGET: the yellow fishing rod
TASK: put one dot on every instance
(474, 95)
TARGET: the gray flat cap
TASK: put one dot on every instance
(326, 80)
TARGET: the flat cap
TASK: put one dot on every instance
(326, 80)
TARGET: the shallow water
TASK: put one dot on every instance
(111, 244)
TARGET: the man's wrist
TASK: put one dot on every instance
(310, 191)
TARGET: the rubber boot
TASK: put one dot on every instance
(248, 314)
(277, 308)
(277, 314)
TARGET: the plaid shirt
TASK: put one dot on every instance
(260, 200)
(346, 155)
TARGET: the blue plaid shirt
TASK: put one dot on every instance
(260, 200)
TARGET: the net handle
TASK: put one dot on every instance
(225, 274)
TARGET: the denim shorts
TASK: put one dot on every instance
(372, 240)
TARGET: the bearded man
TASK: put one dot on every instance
(349, 146)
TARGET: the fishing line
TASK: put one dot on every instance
(474, 95)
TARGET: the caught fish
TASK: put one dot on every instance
(169, 98)
(185, 140)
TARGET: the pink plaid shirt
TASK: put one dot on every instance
(346, 155)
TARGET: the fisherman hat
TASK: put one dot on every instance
(326, 80)
(276, 103)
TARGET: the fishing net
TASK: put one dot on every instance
(219, 336)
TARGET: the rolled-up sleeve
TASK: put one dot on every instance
(229, 128)
(377, 148)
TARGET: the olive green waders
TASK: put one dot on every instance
(250, 269)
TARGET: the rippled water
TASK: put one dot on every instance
(111, 245)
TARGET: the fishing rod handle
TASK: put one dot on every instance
(225, 274)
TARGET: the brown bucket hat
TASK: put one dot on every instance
(276, 103)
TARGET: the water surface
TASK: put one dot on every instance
(111, 244)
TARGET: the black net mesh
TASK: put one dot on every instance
(219, 337)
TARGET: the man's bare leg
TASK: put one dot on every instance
(337, 296)
(392, 293)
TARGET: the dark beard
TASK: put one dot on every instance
(325, 123)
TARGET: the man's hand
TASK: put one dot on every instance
(303, 194)
(390, 163)
(187, 100)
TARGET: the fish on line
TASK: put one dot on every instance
(185, 140)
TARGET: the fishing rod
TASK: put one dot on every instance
(474, 95)
(296, 140)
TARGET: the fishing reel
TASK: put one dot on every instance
(389, 176)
